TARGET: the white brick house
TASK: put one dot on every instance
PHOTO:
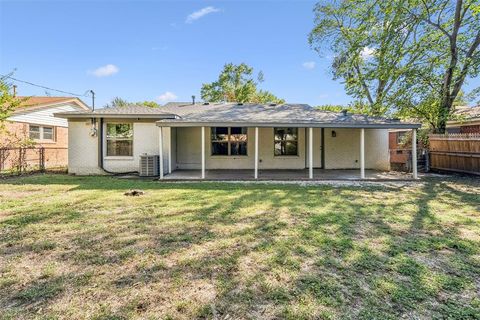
(207, 137)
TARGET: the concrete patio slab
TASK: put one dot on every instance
(286, 175)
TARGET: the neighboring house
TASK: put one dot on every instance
(468, 120)
(228, 136)
(399, 154)
(34, 120)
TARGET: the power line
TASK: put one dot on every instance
(47, 88)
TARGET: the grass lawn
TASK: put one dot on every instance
(76, 248)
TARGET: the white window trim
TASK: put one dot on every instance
(41, 133)
(107, 157)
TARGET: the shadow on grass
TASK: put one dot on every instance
(272, 250)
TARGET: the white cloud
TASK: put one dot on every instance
(309, 65)
(367, 52)
(105, 71)
(167, 96)
(201, 13)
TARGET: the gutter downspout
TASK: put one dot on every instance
(100, 143)
(100, 152)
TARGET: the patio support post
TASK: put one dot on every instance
(256, 153)
(414, 153)
(203, 152)
(362, 153)
(160, 150)
(169, 144)
(310, 153)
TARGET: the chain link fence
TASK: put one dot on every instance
(26, 160)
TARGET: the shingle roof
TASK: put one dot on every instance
(130, 109)
(179, 114)
(264, 114)
(124, 112)
(31, 102)
(468, 112)
(179, 104)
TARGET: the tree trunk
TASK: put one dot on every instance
(445, 110)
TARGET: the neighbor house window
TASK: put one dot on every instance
(228, 141)
(400, 137)
(119, 139)
(41, 133)
(47, 133)
(286, 141)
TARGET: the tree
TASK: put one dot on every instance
(117, 102)
(355, 107)
(409, 57)
(120, 102)
(373, 46)
(457, 25)
(236, 83)
(150, 104)
(263, 96)
(8, 102)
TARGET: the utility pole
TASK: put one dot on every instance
(93, 100)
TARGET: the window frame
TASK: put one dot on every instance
(106, 139)
(41, 134)
(400, 136)
(275, 140)
(229, 143)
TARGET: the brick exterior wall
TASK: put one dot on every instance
(56, 151)
(396, 156)
(470, 129)
(20, 129)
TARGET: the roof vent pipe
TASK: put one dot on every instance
(193, 99)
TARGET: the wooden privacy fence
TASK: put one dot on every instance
(455, 152)
(20, 160)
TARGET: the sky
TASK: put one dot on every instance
(162, 50)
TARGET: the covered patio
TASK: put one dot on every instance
(285, 175)
(269, 142)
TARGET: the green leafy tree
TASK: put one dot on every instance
(151, 104)
(373, 47)
(354, 107)
(450, 32)
(117, 102)
(262, 96)
(236, 83)
(461, 99)
(331, 107)
(408, 57)
(8, 102)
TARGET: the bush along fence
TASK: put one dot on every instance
(455, 152)
(31, 159)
